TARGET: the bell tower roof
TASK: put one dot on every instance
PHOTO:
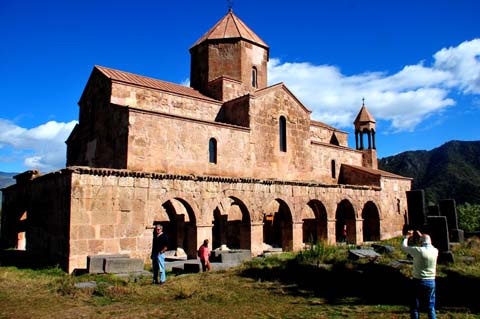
(231, 27)
(364, 119)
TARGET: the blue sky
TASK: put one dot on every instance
(416, 63)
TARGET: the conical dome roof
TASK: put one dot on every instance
(364, 119)
(364, 116)
(231, 27)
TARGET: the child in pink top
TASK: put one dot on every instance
(204, 254)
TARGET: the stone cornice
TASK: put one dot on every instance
(84, 170)
(344, 148)
(185, 118)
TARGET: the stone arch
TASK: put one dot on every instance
(345, 216)
(231, 224)
(278, 225)
(371, 222)
(314, 216)
(179, 224)
(157, 211)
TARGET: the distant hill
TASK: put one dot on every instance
(449, 171)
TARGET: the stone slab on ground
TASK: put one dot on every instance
(362, 253)
(96, 264)
(123, 265)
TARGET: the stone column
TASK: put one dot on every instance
(297, 236)
(358, 231)
(331, 231)
(203, 232)
(256, 238)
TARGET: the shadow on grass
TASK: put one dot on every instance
(23, 259)
(365, 284)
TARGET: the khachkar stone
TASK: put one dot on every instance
(438, 231)
(447, 208)
(416, 209)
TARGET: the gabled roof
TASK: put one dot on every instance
(281, 86)
(318, 123)
(231, 27)
(130, 78)
(376, 172)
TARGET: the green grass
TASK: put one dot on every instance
(317, 283)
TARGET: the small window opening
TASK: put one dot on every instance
(212, 150)
(334, 169)
(254, 77)
(283, 134)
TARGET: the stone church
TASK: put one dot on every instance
(230, 159)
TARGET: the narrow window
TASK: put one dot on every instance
(212, 150)
(283, 134)
(254, 77)
(334, 170)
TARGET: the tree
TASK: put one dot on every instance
(469, 217)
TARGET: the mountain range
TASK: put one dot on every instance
(451, 171)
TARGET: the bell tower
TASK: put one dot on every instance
(365, 125)
(229, 61)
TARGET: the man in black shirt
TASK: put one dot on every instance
(159, 247)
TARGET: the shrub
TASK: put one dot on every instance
(469, 217)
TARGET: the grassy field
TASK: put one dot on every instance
(317, 283)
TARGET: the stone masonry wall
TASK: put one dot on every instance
(110, 211)
(181, 146)
(163, 102)
(45, 202)
(265, 112)
(323, 134)
(254, 56)
(80, 211)
(394, 201)
(322, 156)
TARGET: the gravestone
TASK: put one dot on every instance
(416, 209)
(438, 230)
(449, 210)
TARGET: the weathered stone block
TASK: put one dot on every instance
(96, 264)
(123, 265)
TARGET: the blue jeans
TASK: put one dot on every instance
(158, 265)
(423, 297)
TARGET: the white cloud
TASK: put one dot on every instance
(405, 98)
(463, 62)
(42, 147)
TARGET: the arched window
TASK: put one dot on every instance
(334, 169)
(254, 77)
(212, 151)
(283, 133)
